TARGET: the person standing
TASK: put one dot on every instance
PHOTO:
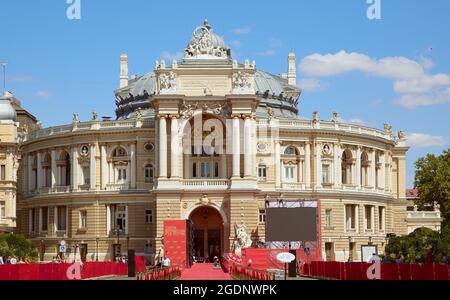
(166, 262)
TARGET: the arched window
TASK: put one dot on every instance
(149, 173)
(262, 172)
(120, 152)
(365, 165)
(290, 151)
(64, 169)
(47, 171)
(346, 167)
(377, 170)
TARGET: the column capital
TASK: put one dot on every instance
(162, 116)
(236, 116)
(174, 116)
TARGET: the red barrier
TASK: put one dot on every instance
(441, 272)
(358, 271)
(59, 271)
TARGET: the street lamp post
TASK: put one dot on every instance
(75, 256)
(96, 253)
(350, 254)
(42, 250)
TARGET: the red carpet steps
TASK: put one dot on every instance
(204, 272)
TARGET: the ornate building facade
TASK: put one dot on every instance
(211, 140)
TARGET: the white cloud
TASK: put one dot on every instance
(415, 100)
(311, 85)
(267, 53)
(42, 94)
(242, 30)
(426, 63)
(236, 43)
(410, 78)
(421, 84)
(166, 55)
(318, 65)
(420, 140)
(356, 121)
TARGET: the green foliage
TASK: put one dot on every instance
(422, 246)
(16, 245)
(433, 184)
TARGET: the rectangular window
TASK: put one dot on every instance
(62, 218)
(328, 222)
(3, 172)
(86, 175)
(121, 175)
(350, 212)
(2, 209)
(44, 221)
(262, 173)
(148, 216)
(216, 170)
(194, 170)
(121, 218)
(381, 218)
(289, 174)
(368, 217)
(148, 248)
(83, 219)
(149, 176)
(32, 220)
(325, 174)
(262, 216)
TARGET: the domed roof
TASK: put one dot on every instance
(7, 112)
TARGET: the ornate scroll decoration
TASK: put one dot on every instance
(187, 110)
(242, 239)
(168, 83)
(388, 129)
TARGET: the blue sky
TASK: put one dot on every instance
(394, 70)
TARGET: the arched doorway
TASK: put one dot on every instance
(208, 229)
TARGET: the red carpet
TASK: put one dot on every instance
(204, 272)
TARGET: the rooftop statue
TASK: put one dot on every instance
(203, 45)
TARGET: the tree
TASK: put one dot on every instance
(18, 246)
(422, 246)
(433, 184)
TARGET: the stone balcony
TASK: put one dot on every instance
(209, 184)
(423, 215)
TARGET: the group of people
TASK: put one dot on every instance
(11, 260)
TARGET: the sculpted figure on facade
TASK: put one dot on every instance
(187, 110)
(242, 240)
(168, 83)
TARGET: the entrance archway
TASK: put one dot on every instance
(208, 229)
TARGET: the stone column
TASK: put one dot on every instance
(357, 218)
(236, 148)
(104, 166)
(133, 165)
(55, 219)
(108, 219)
(372, 169)
(383, 171)
(175, 149)
(247, 147)
(390, 173)
(337, 166)
(162, 147)
(30, 173)
(93, 167)
(357, 180)
(39, 171)
(318, 165)
(372, 218)
(54, 169)
(278, 164)
(223, 166)
(308, 165)
(74, 168)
